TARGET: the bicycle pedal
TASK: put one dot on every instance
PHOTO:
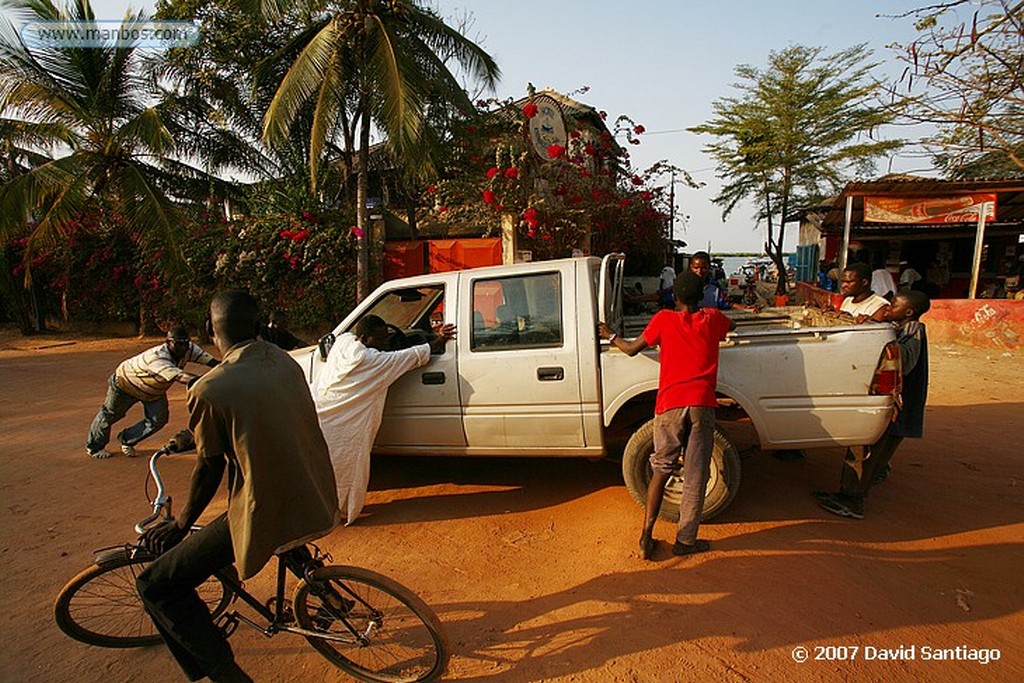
(227, 623)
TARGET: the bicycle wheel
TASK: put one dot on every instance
(388, 633)
(102, 607)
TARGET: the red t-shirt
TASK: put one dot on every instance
(688, 352)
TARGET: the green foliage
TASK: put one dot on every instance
(965, 74)
(795, 133)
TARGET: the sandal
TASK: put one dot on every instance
(844, 507)
(647, 546)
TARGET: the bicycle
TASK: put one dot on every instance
(369, 626)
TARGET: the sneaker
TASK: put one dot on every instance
(129, 451)
(844, 506)
(882, 474)
(698, 546)
(101, 454)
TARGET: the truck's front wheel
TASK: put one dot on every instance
(722, 485)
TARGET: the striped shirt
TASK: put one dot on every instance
(150, 374)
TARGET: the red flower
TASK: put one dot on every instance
(561, 191)
(555, 151)
(475, 158)
(530, 217)
(596, 195)
(530, 110)
(646, 196)
(584, 173)
(638, 129)
(637, 180)
(604, 115)
(547, 237)
(286, 234)
(493, 171)
(574, 134)
(489, 196)
(431, 189)
(623, 203)
(357, 232)
(499, 208)
(470, 129)
(442, 209)
(589, 149)
(308, 216)
(531, 232)
(512, 172)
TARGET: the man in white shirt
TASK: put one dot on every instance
(882, 283)
(909, 277)
(350, 392)
(860, 302)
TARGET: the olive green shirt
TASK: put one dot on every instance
(255, 410)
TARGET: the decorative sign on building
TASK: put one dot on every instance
(547, 128)
(930, 210)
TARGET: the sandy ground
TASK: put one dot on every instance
(532, 567)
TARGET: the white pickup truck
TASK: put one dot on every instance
(529, 376)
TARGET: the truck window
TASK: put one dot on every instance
(517, 312)
(414, 311)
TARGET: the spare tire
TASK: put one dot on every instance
(723, 483)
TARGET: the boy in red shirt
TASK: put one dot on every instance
(684, 412)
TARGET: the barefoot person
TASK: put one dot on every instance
(684, 421)
(144, 379)
(253, 416)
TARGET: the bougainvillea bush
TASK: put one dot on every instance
(582, 195)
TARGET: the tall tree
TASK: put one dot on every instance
(965, 74)
(795, 133)
(116, 148)
(374, 63)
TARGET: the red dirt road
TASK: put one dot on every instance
(532, 566)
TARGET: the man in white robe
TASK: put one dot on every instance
(350, 393)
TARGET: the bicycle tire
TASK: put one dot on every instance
(407, 646)
(101, 606)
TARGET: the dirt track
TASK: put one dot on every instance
(532, 564)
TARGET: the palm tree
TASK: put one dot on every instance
(102, 109)
(374, 63)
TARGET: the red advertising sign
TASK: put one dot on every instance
(929, 210)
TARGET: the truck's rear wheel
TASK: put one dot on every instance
(722, 485)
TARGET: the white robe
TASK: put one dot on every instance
(350, 392)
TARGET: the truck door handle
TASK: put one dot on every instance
(554, 374)
(433, 378)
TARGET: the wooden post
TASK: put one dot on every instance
(979, 244)
(845, 247)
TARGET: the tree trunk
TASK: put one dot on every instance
(15, 294)
(362, 219)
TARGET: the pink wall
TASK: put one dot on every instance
(990, 323)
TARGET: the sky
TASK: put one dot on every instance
(663, 63)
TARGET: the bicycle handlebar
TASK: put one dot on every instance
(162, 503)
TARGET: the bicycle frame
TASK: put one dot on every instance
(276, 618)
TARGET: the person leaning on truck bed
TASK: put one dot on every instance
(684, 422)
(864, 467)
(350, 393)
(860, 302)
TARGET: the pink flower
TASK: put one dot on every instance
(490, 197)
(555, 151)
(638, 129)
(530, 110)
(512, 172)
(357, 232)
(493, 171)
